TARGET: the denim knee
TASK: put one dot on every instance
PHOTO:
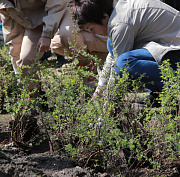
(121, 63)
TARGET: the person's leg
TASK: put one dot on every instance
(45, 56)
(13, 35)
(57, 46)
(60, 60)
(28, 55)
(70, 38)
(81, 41)
(141, 62)
(19, 52)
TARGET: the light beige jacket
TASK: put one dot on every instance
(136, 24)
(32, 13)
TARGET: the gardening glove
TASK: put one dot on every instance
(98, 92)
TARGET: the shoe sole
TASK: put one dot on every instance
(138, 105)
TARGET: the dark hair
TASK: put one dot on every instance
(92, 11)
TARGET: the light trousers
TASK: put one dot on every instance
(22, 47)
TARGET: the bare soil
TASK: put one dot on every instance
(37, 162)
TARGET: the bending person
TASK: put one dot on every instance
(80, 39)
(144, 33)
(28, 27)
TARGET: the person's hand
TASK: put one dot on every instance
(43, 44)
(98, 92)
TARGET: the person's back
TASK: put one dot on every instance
(147, 31)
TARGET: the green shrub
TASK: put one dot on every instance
(104, 133)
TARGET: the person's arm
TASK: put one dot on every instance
(105, 74)
(104, 77)
(55, 10)
(123, 37)
(123, 41)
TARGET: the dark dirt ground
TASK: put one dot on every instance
(38, 162)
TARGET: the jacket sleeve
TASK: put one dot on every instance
(123, 40)
(55, 10)
(108, 74)
(122, 36)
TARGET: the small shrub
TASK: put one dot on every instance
(104, 134)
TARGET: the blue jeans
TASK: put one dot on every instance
(140, 62)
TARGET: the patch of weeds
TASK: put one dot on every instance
(107, 134)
